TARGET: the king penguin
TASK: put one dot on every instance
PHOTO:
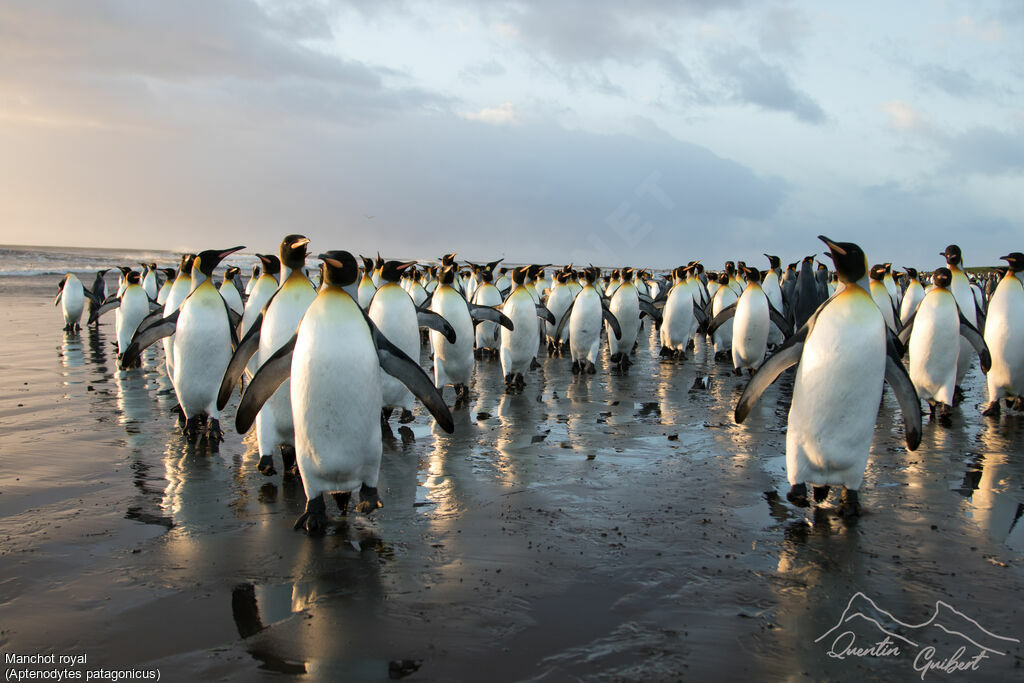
(133, 309)
(165, 288)
(366, 284)
(843, 358)
(625, 306)
(99, 293)
(336, 395)
(1004, 334)
(149, 279)
(488, 340)
(229, 290)
(961, 289)
(584, 317)
(721, 336)
(393, 312)
(519, 344)
(934, 345)
(773, 290)
(252, 280)
(72, 300)
(679, 321)
(271, 330)
(912, 296)
(558, 300)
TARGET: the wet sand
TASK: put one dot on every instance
(616, 526)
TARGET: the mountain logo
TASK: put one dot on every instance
(864, 621)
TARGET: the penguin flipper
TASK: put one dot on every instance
(105, 307)
(973, 335)
(396, 363)
(564, 320)
(543, 312)
(154, 306)
(265, 382)
(780, 321)
(435, 322)
(612, 321)
(908, 329)
(701, 316)
(144, 338)
(722, 317)
(487, 313)
(91, 296)
(910, 405)
(786, 357)
(249, 345)
(648, 308)
(59, 294)
(151, 319)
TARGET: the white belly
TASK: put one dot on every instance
(453, 363)
(585, 326)
(519, 345)
(750, 329)
(1004, 335)
(836, 394)
(393, 312)
(336, 398)
(625, 306)
(202, 349)
(934, 347)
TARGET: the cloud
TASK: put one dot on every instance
(489, 69)
(987, 151)
(502, 115)
(987, 32)
(903, 116)
(754, 81)
(781, 29)
(955, 82)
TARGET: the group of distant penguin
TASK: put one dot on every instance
(303, 346)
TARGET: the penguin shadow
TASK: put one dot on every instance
(72, 352)
(97, 350)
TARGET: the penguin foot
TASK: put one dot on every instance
(288, 463)
(214, 434)
(534, 364)
(341, 499)
(666, 352)
(1018, 404)
(368, 500)
(701, 383)
(192, 429)
(992, 409)
(478, 353)
(820, 493)
(797, 495)
(575, 367)
(737, 371)
(519, 380)
(945, 413)
(266, 466)
(590, 368)
(723, 356)
(314, 519)
(850, 505)
(958, 394)
(680, 354)
(406, 417)
(691, 345)
(385, 414)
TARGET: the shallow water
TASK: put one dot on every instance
(616, 526)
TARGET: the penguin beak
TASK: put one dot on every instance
(296, 244)
(408, 264)
(334, 263)
(833, 247)
(227, 252)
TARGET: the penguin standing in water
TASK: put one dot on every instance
(721, 336)
(229, 290)
(131, 307)
(204, 335)
(753, 315)
(961, 289)
(71, 298)
(486, 294)
(180, 289)
(625, 306)
(149, 279)
(682, 312)
(519, 344)
(913, 295)
(453, 361)
(99, 295)
(584, 317)
(559, 298)
(336, 395)
(271, 330)
(934, 331)
(773, 290)
(395, 315)
(1004, 335)
(843, 358)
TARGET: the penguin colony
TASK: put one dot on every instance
(284, 342)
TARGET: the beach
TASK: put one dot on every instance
(619, 526)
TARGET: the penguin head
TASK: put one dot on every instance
(449, 259)
(822, 266)
(877, 272)
(101, 273)
(627, 274)
(723, 278)
(187, 261)
(751, 274)
(791, 268)
(851, 263)
(730, 267)
(519, 275)
(271, 264)
(231, 272)
(953, 255)
(339, 268)
(536, 271)
(367, 265)
(379, 263)
(590, 274)
(1016, 261)
(942, 277)
(911, 272)
(447, 275)
(392, 271)
(207, 260)
(256, 271)
(124, 270)
(773, 261)
(486, 275)
(168, 273)
(293, 251)
(132, 277)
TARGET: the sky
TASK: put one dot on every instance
(649, 132)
